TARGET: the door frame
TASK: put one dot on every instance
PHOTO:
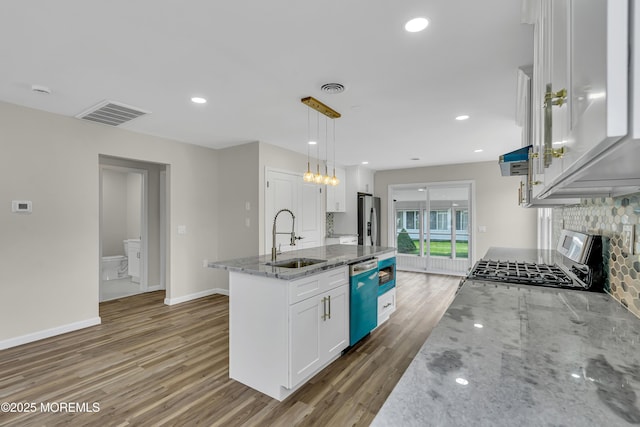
(143, 220)
(391, 223)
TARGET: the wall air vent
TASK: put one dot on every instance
(111, 113)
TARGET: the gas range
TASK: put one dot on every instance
(579, 266)
(521, 272)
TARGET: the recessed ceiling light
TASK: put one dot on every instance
(312, 143)
(198, 100)
(365, 163)
(478, 325)
(479, 150)
(462, 117)
(416, 25)
(462, 381)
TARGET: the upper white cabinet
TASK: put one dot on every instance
(580, 96)
(363, 179)
(336, 196)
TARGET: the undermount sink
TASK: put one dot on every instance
(295, 262)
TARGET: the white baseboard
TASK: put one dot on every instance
(47, 333)
(190, 297)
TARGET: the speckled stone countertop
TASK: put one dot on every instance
(334, 256)
(518, 355)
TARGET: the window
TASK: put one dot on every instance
(439, 220)
(462, 220)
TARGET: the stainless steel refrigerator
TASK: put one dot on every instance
(368, 220)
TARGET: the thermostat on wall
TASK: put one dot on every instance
(21, 206)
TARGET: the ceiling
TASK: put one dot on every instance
(254, 60)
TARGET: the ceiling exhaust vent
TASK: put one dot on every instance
(111, 113)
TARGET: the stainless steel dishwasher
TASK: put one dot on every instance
(363, 302)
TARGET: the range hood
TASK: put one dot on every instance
(515, 162)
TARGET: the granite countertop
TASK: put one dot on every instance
(506, 355)
(335, 256)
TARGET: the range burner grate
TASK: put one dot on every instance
(521, 273)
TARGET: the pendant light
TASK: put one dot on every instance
(326, 179)
(334, 179)
(318, 177)
(308, 175)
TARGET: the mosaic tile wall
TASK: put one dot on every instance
(618, 221)
(329, 223)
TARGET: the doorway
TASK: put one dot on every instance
(432, 228)
(132, 227)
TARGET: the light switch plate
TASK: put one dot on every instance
(21, 206)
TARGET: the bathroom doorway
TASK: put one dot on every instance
(132, 259)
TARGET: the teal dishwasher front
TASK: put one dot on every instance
(363, 302)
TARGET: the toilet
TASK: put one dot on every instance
(114, 267)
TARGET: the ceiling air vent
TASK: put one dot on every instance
(332, 88)
(111, 113)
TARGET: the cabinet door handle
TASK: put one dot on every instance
(551, 99)
(387, 305)
(324, 308)
(329, 298)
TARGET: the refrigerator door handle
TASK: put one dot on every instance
(374, 227)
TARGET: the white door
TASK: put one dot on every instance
(287, 190)
(311, 220)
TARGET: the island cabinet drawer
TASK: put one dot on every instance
(306, 287)
(386, 305)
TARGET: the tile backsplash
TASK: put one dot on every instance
(618, 221)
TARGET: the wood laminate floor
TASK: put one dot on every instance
(151, 364)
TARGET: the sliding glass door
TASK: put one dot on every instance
(432, 227)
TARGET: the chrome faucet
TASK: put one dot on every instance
(293, 233)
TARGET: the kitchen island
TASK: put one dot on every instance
(287, 324)
(506, 355)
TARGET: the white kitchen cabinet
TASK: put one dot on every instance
(280, 331)
(364, 179)
(319, 332)
(336, 196)
(580, 95)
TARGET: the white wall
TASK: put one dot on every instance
(508, 225)
(50, 259)
(134, 204)
(121, 209)
(114, 212)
